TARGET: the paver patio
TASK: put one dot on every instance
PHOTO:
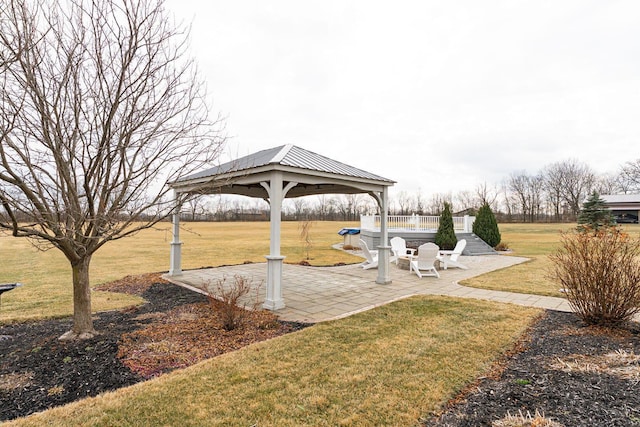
(316, 294)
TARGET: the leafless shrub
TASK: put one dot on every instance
(305, 236)
(232, 300)
(600, 272)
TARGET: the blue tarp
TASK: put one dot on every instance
(345, 231)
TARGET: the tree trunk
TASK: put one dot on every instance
(82, 320)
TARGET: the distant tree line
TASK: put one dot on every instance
(553, 194)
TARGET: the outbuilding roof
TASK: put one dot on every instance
(621, 198)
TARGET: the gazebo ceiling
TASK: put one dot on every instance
(313, 173)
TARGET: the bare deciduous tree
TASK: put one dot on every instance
(300, 208)
(578, 180)
(465, 200)
(196, 207)
(437, 201)
(99, 107)
(630, 176)
(508, 201)
(553, 176)
(404, 203)
(419, 203)
(527, 191)
(518, 188)
(486, 195)
(568, 182)
(349, 205)
(324, 206)
(607, 184)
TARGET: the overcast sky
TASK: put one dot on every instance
(437, 95)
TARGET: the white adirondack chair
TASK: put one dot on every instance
(399, 248)
(425, 261)
(371, 260)
(450, 258)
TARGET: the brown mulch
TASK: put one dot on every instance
(175, 328)
(567, 372)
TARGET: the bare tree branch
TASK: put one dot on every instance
(100, 106)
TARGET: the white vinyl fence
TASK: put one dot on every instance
(415, 223)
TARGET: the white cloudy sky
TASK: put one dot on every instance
(437, 95)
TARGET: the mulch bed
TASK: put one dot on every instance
(572, 374)
(567, 372)
(175, 328)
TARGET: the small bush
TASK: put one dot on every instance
(305, 235)
(227, 300)
(600, 271)
(446, 236)
(486, 227)
(502, 246)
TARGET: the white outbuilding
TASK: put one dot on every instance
(624, 207)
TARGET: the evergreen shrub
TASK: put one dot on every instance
(486, 226)
(446, 236)
(595, 214)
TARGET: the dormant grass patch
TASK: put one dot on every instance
(525, 420)
(621, 363)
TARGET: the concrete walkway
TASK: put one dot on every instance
(316, 294)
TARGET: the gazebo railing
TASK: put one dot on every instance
(414, 222)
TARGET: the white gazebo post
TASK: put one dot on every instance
(175, 262)
(277, 193)
(468, 226)
(384, 248)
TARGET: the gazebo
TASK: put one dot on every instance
(275, 174)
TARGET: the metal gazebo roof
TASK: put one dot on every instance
(314, 174)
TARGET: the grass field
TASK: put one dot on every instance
(47, 275)
(534, 241)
